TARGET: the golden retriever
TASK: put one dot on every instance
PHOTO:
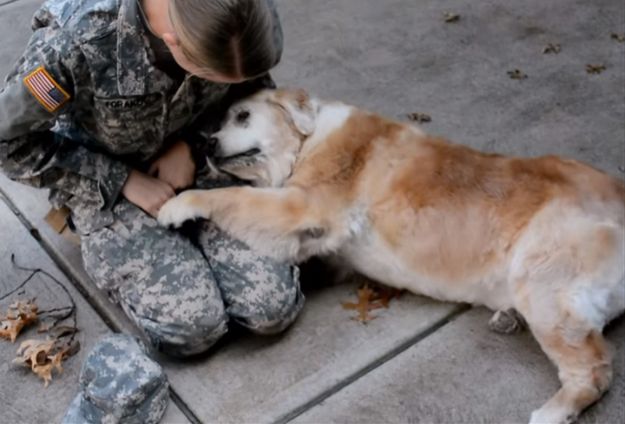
(542, 236)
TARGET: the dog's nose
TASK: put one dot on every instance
(213, 143)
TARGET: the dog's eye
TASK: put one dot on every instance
(242, 116)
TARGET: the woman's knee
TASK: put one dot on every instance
(183, 338)
(161, 280)
(275, 308)
(180, 310)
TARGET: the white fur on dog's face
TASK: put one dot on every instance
(261, 136)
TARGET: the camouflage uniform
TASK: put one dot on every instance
(114, 110)
(119, 383)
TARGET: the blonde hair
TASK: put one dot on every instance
(237, 38)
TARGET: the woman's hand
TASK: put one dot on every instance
(175, 167)
(147, 192)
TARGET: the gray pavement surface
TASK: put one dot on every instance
(22, 393)
(464, 374)
(409, 365)
(23, 396)
(32, 205)
(272, 379)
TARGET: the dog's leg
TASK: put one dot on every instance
(570, 336)
(274, 221)
(566, 280)
(584, 366)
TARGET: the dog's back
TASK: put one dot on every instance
(450, 216)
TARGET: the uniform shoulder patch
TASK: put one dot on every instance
(46, 90)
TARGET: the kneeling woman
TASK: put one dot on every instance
(108, 107)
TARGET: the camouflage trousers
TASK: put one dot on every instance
(182, 294)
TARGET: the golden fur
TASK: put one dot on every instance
(544, 236)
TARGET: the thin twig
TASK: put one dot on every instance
(34, 271)
(20, 286)
(7, 2)
(48, 311)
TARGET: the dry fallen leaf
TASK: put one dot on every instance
(517, 74)
(60, 331)
(618, 37)
(41, 356)
(34, 354)
(26, 310)
(370, 299)
(19, 315)
(552, 49)
(44, 372)
(362, 307)
(44, 327)
(9, 329)
(595, 69)
(451, 17)
(44, 356)
(419, 117)
(385, 294)
(56, 360)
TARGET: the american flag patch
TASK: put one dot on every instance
(47, 92)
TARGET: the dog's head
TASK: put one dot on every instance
(261, 136)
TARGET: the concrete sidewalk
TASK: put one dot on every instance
(420, 360)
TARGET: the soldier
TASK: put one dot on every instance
(109, 107)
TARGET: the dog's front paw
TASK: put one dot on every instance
(178, 210)
(552, 415)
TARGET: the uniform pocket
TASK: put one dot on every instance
(128, 125)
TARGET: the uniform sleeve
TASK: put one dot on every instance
(41, 86)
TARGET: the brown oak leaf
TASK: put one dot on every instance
(44, 372)
(56, 360)
(370, 299)
(595, 69)
(517, 74)
(19, 315)
(363, 305)
(44, 356)
(419, 117)
(552, 48)
(618, 37)
(44, 327)
(60, 331)
(385, 294)
(33, 352)
(450, 17)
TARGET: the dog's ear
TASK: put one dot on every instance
(299, 108)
